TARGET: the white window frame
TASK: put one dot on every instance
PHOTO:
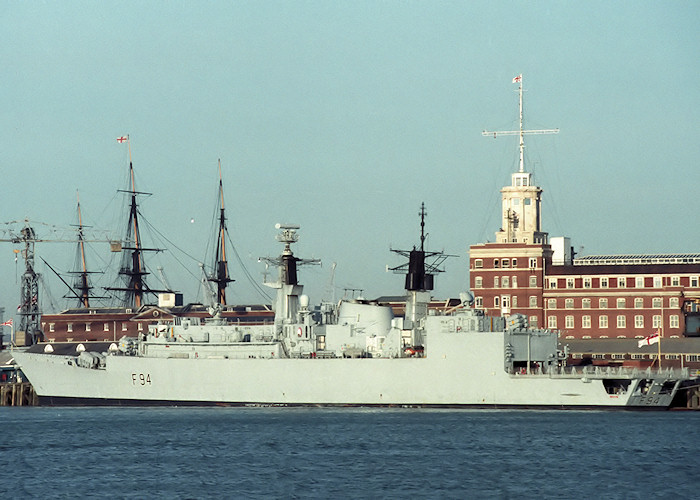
(621, 282)
(638, 321)
(639, 303)
(639, 281)
(621, 321)
(569, 322)
(604, 282)
(674, 321)
(551, 322)
(603, 321)
(602, 303)
(585, 321)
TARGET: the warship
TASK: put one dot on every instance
(353, 353)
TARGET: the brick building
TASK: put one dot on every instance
(622, 296)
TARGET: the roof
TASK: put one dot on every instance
(686, 345)
(626, 259)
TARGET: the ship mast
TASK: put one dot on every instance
(133, 268)
(520, 132)
(221, 276)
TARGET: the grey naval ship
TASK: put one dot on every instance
(354, 353)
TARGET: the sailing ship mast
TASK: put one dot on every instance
(82, 283)
(133, 268)
(220, 275)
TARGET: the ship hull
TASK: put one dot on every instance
(419, 382)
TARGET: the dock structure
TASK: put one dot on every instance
(17, 394)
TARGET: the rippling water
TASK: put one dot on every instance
(358, 453)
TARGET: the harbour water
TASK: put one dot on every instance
(347, 453)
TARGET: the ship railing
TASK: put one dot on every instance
(629, 372)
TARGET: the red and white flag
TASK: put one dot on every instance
(7, 323)
(651, 339)
(123, 138)
(518, 78)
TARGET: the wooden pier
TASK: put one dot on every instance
(17, 394)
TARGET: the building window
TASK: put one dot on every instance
(552, 322)
(658, 282)
(675, 281)
(551, 303)
(533, 262)
(478, 282)
(586, 321)
(603, 321)
(496, 302)
(496, 263)
(639, 282)
(478, 263)
(533, 321)
(673, 302)
(514, 281)
(673, 321)
(639, 303)
(569, 321)
(603, 303)
(105, 327)
(88, 326)
(69, 327)
(505, 282)
(692, 357)
(656, 321)
(140, 327)
(552, 283)
(569, 282)
(533, 300)
(620, 303)
(533, 281)
(569, 304)
(639, 321)
(496, 282)
(124, 327)
(694, 280)
(513, 301)
(587, 282)
(618, 356)
(656, 302)
(621, 321)
(505, 263)
(514, 263)
(604, 282)
(621, 282)
(52, 327)
(585, 303)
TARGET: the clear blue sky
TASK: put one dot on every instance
(343, 117)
